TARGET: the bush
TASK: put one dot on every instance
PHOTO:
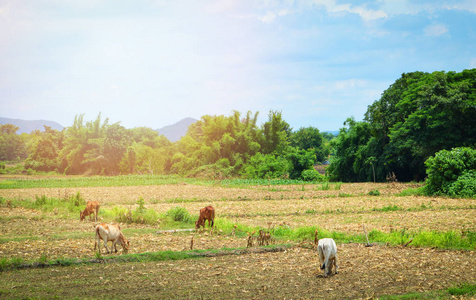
(446, 167)
(267, 166)
(374, 193)
(179, 214)
(312, 175)
(464, 186)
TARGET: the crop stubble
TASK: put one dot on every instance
(293, 274)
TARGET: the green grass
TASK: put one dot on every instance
(96, 181)
(388, 208)
(137, 180)
(461, 290)
(17, 263)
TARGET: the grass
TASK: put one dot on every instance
(454, 292)
(136, 180)
(17, 263)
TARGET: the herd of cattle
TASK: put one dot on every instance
(326, 247)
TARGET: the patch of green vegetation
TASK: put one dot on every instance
(443, 240)
(16, 263)
(462, 290)
(257, 182)
(387, 208)
(64, 207)
(374, 193)
(420, 191)
(97, 181)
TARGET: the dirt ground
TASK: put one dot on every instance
(364, 272)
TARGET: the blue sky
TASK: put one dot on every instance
(152, 63)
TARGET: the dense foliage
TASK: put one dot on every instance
(417, 116)
(452, 172)
(214, 146)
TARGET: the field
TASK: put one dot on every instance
(226, 269)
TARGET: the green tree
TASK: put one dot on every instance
(116, 141)
(347, 164)
(45, 150)
(310, 138)
(83, 145)
(12, 145)
(276, 132)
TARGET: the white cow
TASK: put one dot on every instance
(327, 250)
(110, 232)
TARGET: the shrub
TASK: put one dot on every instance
(312, 175)
(179, 214)
(267, 166)
(464, 186)
(374, 193)
(446, 167)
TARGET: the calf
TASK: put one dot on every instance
(206, 213)
(110, 232)
(92, 207)
(327, 250)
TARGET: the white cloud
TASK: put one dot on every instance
(270, 16)
(365, 13)
(435, 30)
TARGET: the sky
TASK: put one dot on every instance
(154, 62)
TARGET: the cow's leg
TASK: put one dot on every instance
(105, 245)
(335, 264)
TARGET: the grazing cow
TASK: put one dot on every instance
(110, 232)
(92, 207)
(327, 250)
(206, 213)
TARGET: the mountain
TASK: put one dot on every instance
(29, 126)
(175, 131)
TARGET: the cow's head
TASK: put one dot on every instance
(124, 243)
(125, 246)
(81, 216)
(199, 223)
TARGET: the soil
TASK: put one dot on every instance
(364, 272)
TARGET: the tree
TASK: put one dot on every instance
(12, 146)
(83, 145)
(310, 138)
(275, 134)
(347, 164)
(45, 149)
(116, 141)
(417, 116)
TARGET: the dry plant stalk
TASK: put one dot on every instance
(367, 237)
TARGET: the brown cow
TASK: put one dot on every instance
(110, 232)
(206, 213)
(92, 207)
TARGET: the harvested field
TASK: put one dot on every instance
(364, 271)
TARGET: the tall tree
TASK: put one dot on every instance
(12, 146)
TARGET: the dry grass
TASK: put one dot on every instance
(365, 272)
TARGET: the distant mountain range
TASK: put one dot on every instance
(172, 132)
(175, 131)
(29, 126)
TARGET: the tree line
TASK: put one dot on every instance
(419, 115)
(214, 146)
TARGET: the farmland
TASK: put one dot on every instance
(342, 211)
